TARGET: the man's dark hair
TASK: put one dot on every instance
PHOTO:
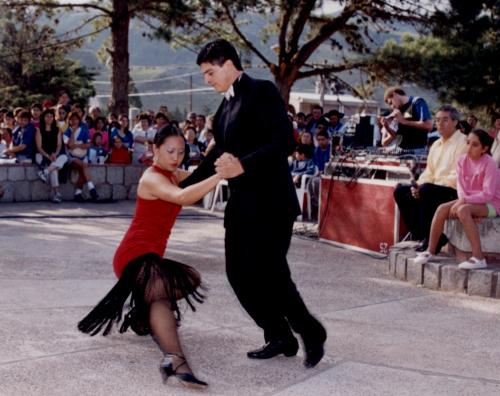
(389, 92)
(318, 107)
(323, 132)
(24, 114)
(217, 52)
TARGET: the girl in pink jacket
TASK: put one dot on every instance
(478, 190)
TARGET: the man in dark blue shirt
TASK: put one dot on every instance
(322, 150)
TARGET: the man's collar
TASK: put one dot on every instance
(230, 91)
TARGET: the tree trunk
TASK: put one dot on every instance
(284, 78)
(120, 57)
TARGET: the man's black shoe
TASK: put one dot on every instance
(93, 194)
(314, 347)
(275, 348)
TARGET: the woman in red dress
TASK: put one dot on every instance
(155, 283)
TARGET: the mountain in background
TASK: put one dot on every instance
(176, 69)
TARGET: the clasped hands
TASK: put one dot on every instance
(228, 166)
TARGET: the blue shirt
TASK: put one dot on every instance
(25, 136)
(306, 167)
(321, 157)
(127, 140)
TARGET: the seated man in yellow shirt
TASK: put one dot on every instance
(438, 183)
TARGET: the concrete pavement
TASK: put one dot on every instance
(386, 337)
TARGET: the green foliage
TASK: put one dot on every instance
(458, 60)
(33, 63)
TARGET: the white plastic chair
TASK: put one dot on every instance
(219, 193)
(303, 194)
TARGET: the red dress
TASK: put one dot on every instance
(153, 220)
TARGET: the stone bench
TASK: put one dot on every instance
(442, 273)
(489, 232)
(22, 184)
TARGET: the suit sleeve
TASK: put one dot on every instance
(204, 170)
(271, 115)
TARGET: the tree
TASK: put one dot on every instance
(32, 68)
(458, 59)
(116, 15)
(298, 28)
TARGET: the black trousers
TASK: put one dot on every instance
(418, 213)
(258, 272)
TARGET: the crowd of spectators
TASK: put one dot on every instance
(63, 138)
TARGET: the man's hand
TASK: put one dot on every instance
(228, 166)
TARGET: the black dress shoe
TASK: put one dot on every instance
(275, 348)
(314, 347)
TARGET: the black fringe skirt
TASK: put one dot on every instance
(145, 279)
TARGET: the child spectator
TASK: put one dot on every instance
(9, 120)
(50, 157)
(76, 139)
(98, 151)
(23, 139)
(478, 189)
(303, 163)
(322, 151)
(306, 138)
(119, 154)
(100, 127)
(62, 117)
(5, 141)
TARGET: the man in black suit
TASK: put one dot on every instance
(253, 138)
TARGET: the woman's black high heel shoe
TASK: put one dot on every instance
(167, 369)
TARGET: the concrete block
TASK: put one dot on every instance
(3, 173)
(8, 190)
(105, 191)
(16, 173)
(432, 275)
(31, 172)
(114, 174)
(401, 267)
(132, 174)
(393, 256)
(22, 191)
(98, 174)
(132, 192)
(453, 279)
(119, 192)
(480, 282)
(489, 232)
(414, 272)
(496, 281)
(40, 191)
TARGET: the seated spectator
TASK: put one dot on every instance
(98, 151)
(77, 141)
(23, 145)
(322, 151)
(195, 151)
(200, 125)
(119, 154)
(123, 132)
(5, 141)
(437, 184)
(317, 119)
(306, 138)
(472, 121)
(94, 113)
(495, 134)
(112, 121)
(335, 127)
(478, 181)
(62, 117)
(3, 111)
(209, 142)
(303, 163)
(100, 128)
(160, 121)
(143, 140)
(50, 157)
(300, 120)
(36, 111)
(9, 121)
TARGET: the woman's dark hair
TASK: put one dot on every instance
(74, 114)
(53, 126)
(465, 126)
(102, 119)
(217, 52)
(164, 133)
(484, 138)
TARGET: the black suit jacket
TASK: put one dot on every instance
(254, 126)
